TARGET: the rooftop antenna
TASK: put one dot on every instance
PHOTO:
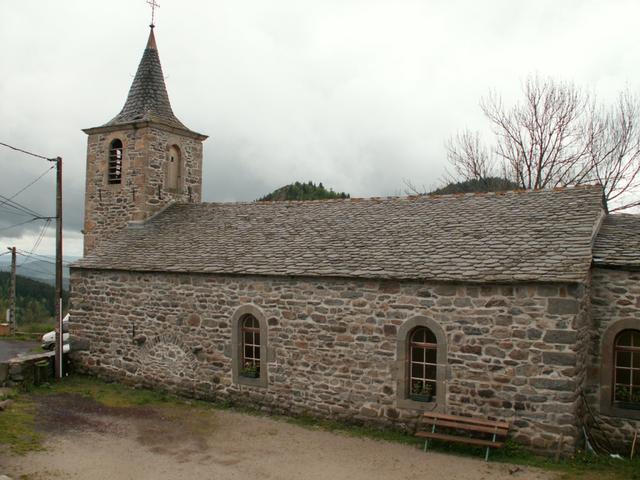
(154, 5)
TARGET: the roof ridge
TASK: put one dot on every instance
(407, 197)
(497, 238)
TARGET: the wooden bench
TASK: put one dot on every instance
(497, 431)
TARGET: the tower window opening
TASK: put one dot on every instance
(114, 176)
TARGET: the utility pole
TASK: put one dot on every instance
(59, 331)
(12, 293)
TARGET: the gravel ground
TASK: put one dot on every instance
(86, 440)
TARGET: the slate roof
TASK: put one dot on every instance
(618, 243)
(148, 99)
(499, 237)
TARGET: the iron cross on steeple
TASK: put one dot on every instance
(153, 11)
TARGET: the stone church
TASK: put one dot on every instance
(518, 306)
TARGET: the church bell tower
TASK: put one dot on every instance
(140, 161)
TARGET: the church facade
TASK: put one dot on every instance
(520, 306)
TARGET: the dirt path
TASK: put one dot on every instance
(96, 442)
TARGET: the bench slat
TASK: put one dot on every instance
(475, 421)
(464, 426)
(453, 438)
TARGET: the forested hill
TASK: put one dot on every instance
(35, 301)
(489, 184)
(302, 191)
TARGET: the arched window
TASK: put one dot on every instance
(423, 364)
(626, 377)
(114, 175)
(250, 331)
(174, 169)
(250, 353)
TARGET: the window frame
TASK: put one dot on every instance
(403, 379)
(413, 364)
(237, 347)
(253, 330)
(633, 350)
(112, 162)
(607, 370)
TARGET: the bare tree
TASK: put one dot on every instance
(614, 140)
(557, 136)
(469, 158)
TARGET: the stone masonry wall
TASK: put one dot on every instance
(511, 350)
(26, 370)
(142, 191)
(615, 297)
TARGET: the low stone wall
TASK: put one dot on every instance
(511, 352)
(27, 370)
(615, 303)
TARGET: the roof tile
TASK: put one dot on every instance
(618, 242)
(148, 100)
(515, 236)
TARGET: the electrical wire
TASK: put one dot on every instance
(26, 152)
(37, 242)
(18, 224)
(35, 270)
(41, 258)
(607, 448)
(16, 211)
(19, 207)
(29, 184)
(12, 212)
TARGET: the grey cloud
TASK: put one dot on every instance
(357, 94)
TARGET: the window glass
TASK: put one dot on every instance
(250, 335)
(422, 365)
(626, 392)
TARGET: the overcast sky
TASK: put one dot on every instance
(359, 95)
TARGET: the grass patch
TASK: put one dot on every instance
(17, 427)
(109, 394)
(32, 331)
(22, 337)
(358, 431)
(36, 328)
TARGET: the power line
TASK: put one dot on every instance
(19, 211)
(19, 207)
(16, 206)
(22, 267)
(38, 241)
(35, 270)
(11, 212)
(26, 152)
(18, 224)
(44, 258)
(40, 258)
(29, 184)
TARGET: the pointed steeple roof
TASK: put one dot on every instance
(148, 100)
